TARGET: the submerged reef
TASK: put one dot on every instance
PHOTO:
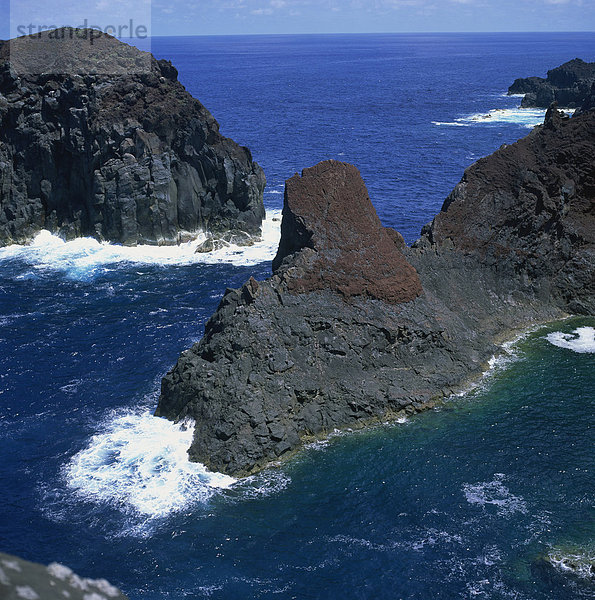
(102, 140)
(354, 327)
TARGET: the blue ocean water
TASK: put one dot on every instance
(461, 502)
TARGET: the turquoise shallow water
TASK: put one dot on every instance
(460, 502)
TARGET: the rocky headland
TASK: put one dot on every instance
(24, 580)
(353, 327)
(569, 85)
(102, 140)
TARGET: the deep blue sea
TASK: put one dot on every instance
(462, 502)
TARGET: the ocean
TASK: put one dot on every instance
(462, 502)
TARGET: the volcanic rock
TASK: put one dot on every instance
(353, 254)
(107, 143)
(21, 579)
(568, 85)
(528, 212)
(342, 334)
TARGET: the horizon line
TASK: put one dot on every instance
(372, 33)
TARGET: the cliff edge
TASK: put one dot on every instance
(112, 146)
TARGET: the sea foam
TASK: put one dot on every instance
(139, 463)
(528, 117)
(494, 493)
(84, 256)
(581, 340)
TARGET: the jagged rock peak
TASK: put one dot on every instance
(332, 238)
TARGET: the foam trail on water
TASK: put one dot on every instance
(140, 463)
(574, 561)
(528, 117)
(84, 256)
(581, 340)
(494, 493)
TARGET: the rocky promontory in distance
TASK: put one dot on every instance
(317, 347)
(569, 85)
(108, 143)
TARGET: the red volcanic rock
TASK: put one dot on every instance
(328, 211)
(526, 198)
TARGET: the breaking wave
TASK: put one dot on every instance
(581, 340)
(527, 117)
(84, 256)
(139, 463)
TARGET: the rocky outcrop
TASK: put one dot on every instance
(568, 85)
(528, 212)
(334, 240)
(342, 334)
(24, 580)
(112, 151)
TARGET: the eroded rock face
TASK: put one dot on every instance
(315, 348)
(24, 580)
(328, 210)
(569, 85)
(129, 157)
(528, 211)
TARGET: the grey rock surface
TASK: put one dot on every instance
(24, 580)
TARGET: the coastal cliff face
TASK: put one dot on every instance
(568, 85)
(24, 580)
(124, 156)
(528, 213)
(337, 339)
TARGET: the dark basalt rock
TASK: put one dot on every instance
(121, 152)
(21, 579)
(529, 210)
(313, 349)
(589, 103)
(568, 85)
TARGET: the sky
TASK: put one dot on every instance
(221, 17)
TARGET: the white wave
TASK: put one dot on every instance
(83, 256)
(494, 493)
(581, 340)
(579, 562)
(140, 463)
(266, 483)
(452, 124)
(528, 117)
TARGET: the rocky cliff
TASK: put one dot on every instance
(113, 146)
(24, 580)
(568, 85)
(353, 327)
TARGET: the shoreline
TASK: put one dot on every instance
(510, 338)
